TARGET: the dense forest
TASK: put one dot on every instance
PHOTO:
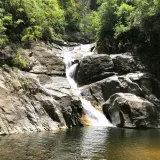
(116, 25)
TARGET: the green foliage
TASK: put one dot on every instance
(20, 61)
(80, 18)
(3, 37)
(93, 4)
(89, 25)
(107, 15)
(25, 84)
(125, 16)
(126, 24)
(3, 20)
(72, 18)
(30, 19)
(32, 33)
(46, 20)
(117, 25)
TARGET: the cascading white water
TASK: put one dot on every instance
(70, 69)
(95, 116)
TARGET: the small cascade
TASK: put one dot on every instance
(70, 75)
(70, 69)
(96, 117)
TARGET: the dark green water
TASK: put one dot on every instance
(88, 143)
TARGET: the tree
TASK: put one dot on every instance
(129, 24)
(108, 20)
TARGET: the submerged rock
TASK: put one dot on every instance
(130, 111)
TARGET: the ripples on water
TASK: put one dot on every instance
(88, 143)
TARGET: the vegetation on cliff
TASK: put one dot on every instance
(117, 25)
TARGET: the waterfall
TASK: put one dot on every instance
(95, 117)
(70, 69)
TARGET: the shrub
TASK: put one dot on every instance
(20, 61)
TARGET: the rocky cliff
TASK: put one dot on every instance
(38, 99)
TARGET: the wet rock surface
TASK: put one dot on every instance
(143, 85)
(130, 111)
(126, 75)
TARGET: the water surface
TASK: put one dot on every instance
(86, 143)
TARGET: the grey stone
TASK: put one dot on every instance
(100, 91)
(130, 111)
(94, 68)
(127, 63)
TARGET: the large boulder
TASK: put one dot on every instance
(141, 84)
(100, 66)
(149, 84)
(94, 68)
(127, 63)
(73, 113)
(97, 67)
(101, 91)
(44, 60)
(59, 89)
(130, 111)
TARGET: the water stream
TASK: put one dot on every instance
(95, 117)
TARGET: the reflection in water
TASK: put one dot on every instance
(93, 141)
(88, 143)
(134, 144)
